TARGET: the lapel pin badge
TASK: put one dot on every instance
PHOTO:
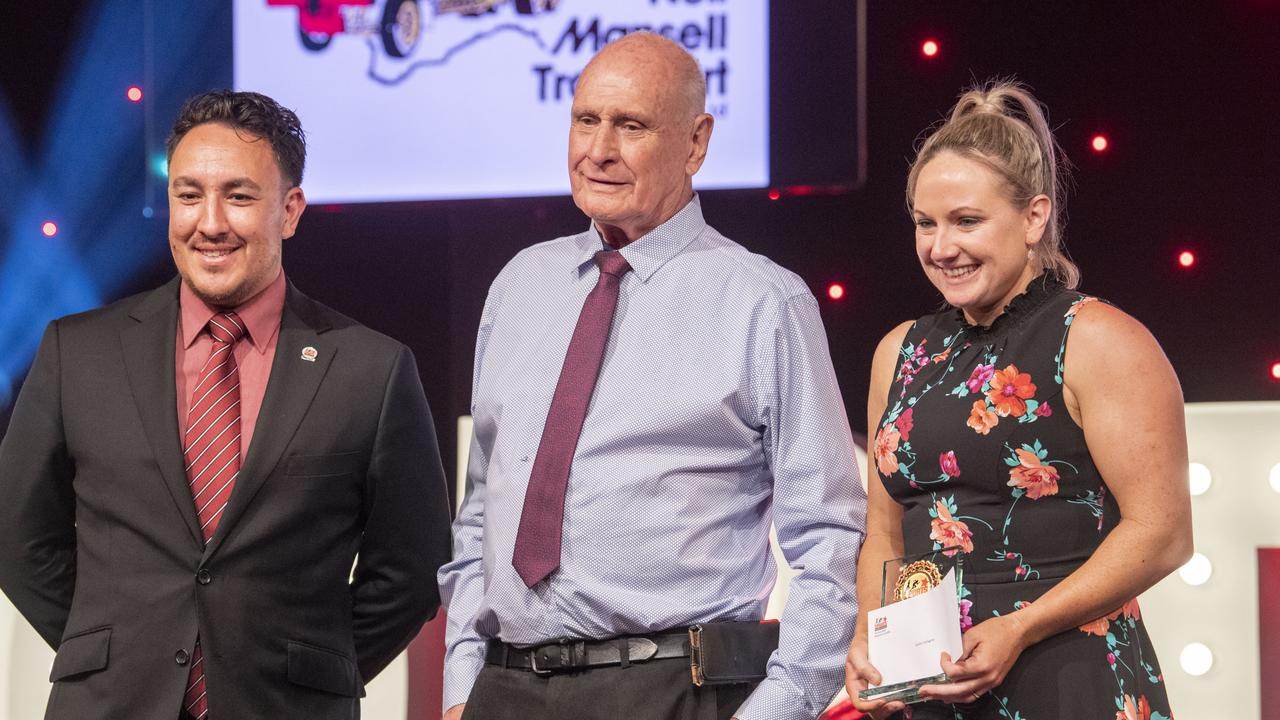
(309, 354)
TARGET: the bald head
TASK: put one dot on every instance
(652, 55)
(638, 134)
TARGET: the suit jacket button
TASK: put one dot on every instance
(182, 657)
(203, 577)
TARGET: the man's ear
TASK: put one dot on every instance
(702, 126)
(294, 203)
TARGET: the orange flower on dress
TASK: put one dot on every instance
(1131, 609)
(1010, 390)
(1140, 711)
(1037, 479)
(949, 532)
(1075, 307)
(886, 445)
(1130, 711)
(981, 419)
(1097, 627)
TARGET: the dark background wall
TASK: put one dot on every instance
(1188, 94)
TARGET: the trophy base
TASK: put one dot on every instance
(905, 692)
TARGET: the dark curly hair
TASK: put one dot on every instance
(254, 114)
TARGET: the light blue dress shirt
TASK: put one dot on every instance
(716, 411)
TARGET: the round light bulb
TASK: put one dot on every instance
(1196, 571)
(1201, 478)
(1196, 659)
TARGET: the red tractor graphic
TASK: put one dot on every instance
(398, 23)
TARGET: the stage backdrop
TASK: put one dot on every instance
(408, 100)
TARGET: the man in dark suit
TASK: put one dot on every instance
(190, 474)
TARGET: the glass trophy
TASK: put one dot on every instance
(905, 578)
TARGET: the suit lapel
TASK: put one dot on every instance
(148, 345)
(290, 388)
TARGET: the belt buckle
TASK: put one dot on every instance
(569, 654)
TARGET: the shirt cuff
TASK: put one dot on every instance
(772, 700)
(459, 677)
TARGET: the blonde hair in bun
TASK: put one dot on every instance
(1001, 125)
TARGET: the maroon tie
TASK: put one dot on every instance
(212, 448)
(537, 552)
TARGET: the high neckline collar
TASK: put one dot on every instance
(1040, 289)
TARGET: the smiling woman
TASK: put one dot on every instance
(1029, 394)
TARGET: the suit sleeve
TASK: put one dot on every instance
(406, 538)
(37, 515)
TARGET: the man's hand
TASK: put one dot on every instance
(454, 713)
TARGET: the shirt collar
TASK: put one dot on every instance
(648, 253)
(260, 313)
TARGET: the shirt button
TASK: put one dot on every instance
(181, 657)
(203, 577)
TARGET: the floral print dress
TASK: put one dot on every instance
(978, 448)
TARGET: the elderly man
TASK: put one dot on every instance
(648, 395)
(190, 473)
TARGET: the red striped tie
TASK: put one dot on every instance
(212, 448)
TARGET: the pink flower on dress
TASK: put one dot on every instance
(966, 622)
(904, 423)
(1031, 475)
(1043, 410)
(979, 377)
(949, 532)
(947, 461)
(885, 447)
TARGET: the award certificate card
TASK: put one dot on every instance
(905, 639)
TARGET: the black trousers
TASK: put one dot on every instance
(653, 690)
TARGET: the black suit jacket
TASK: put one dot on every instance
(101, 551)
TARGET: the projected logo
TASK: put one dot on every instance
(436, 99)
(398, 24)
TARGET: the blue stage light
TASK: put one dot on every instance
(87, 173)
(159, 166)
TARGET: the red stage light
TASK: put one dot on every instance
(1275, 371)
(49, 228)
(1186, 258)
(134, 93)
(835, 291)
(774, 194)
(1099, 143)
(929, 48)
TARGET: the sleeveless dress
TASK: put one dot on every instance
(979, 449)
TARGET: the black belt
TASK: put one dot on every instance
(569, 655)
